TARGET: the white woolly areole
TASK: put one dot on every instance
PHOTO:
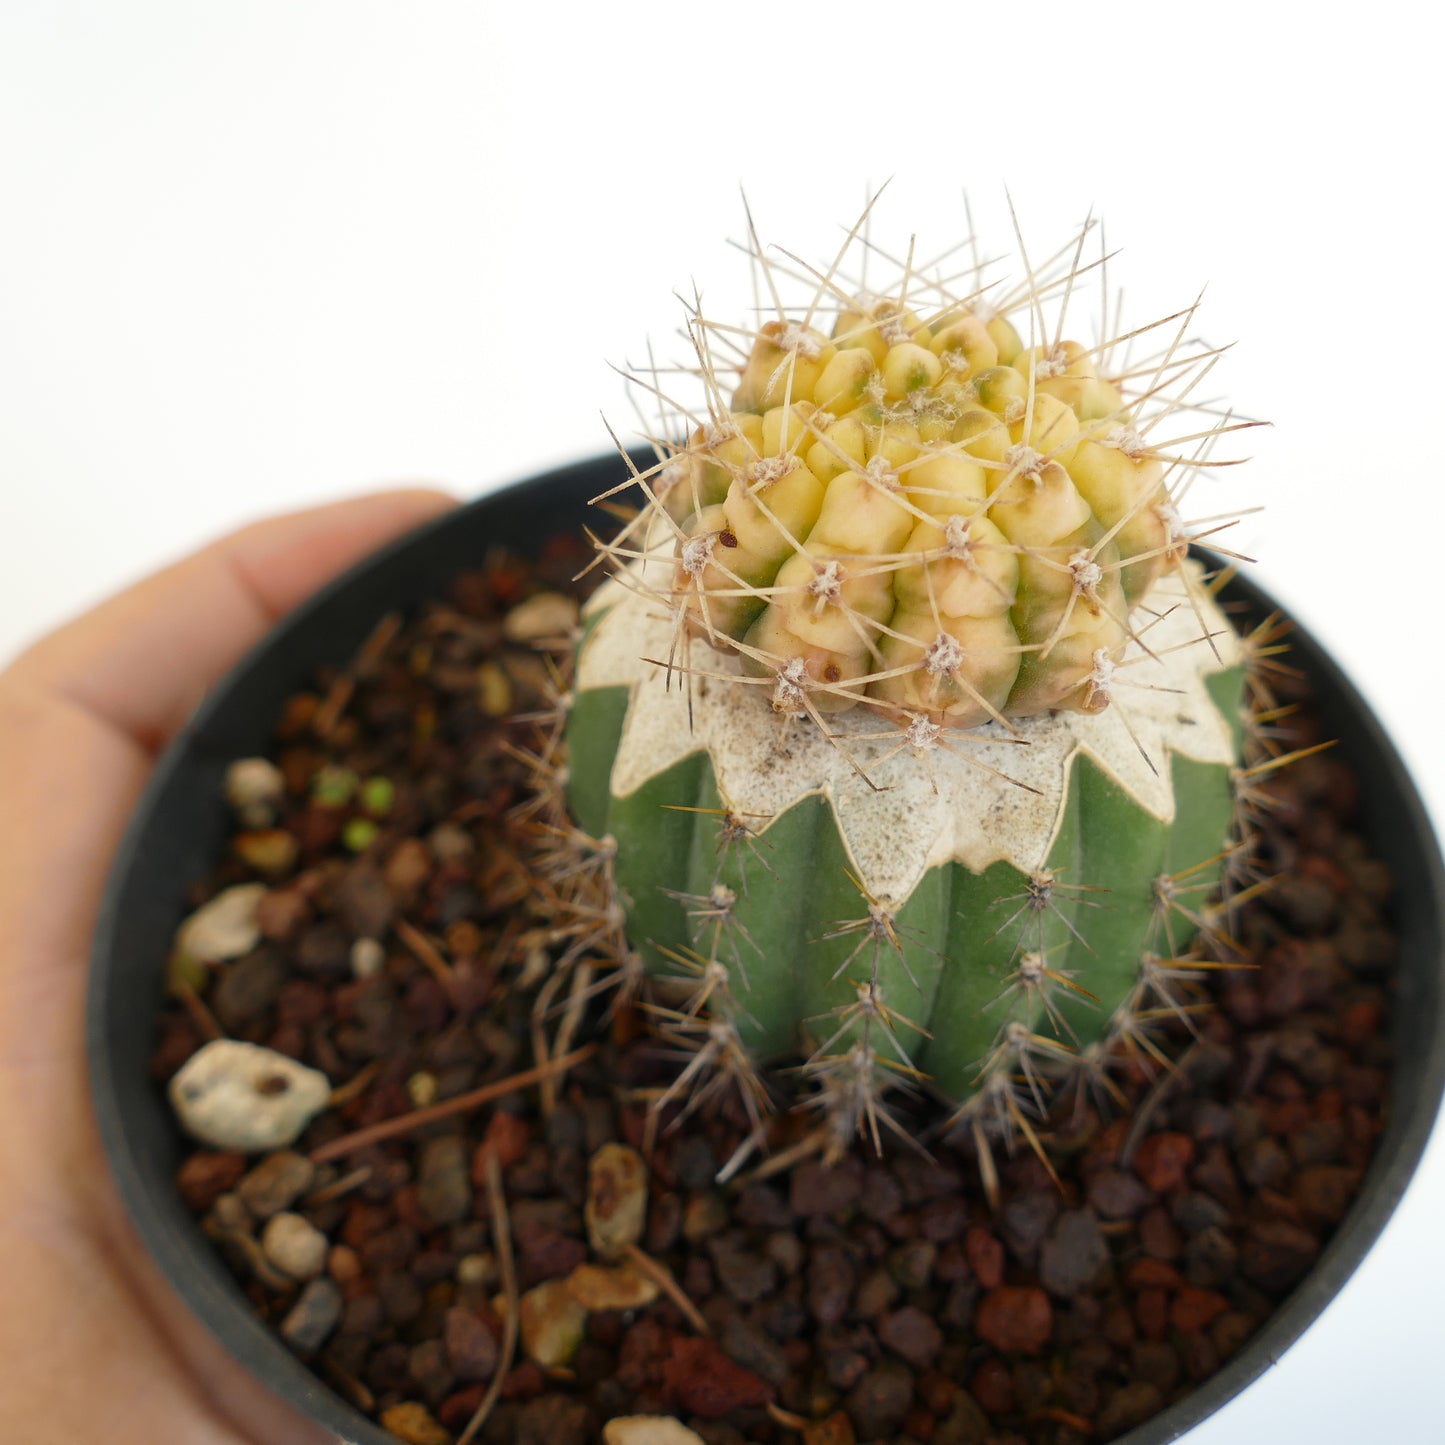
(920, 813)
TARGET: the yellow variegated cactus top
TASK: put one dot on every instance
(921, 514)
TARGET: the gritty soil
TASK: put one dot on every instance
(879, 1299)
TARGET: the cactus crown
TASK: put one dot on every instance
(938, 538)
(934, 505)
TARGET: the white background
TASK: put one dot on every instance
(257, 256)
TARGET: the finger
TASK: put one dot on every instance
(141, 661)
(87, 1358)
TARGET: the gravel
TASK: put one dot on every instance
(880, 1299)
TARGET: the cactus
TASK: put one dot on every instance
(904, 736)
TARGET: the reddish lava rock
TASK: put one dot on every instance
(1148, 1273)
(1362, 1021)
(993, 1387)
(507, 1137)
(1015, 1319)
(524, 1381)
(1196, 1309)
(204, 1177)
(1152, 1309)
(918, 1424)
(1163, 1161)
(984, 1253)
(455, 1411)
(699, 1378)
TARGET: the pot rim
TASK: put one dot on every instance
(135, 913)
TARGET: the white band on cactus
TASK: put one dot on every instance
(917, 817)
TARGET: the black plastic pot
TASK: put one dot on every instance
(182, 824)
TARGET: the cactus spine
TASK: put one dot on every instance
(905, 731)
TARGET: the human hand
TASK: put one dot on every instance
(93, 1343)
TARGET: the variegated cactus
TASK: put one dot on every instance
(903, 737)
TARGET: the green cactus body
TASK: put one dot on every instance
(849, 726)
(991, 950)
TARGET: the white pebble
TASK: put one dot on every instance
(547, 615)
(552, 1324)
(616, 1199)
(599, 1287)
(254, 780)
(477, 1270)
(254, 787)
(232, 1095)
(295, 1246)
(226, 927)
(368, 958)
(421, 1088)
(648, 1430)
